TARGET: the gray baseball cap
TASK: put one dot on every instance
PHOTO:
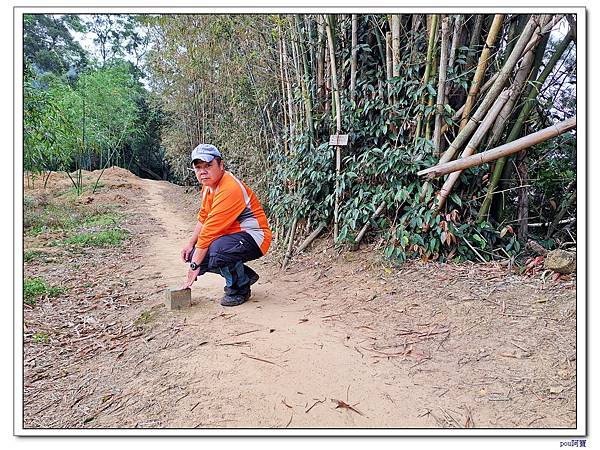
(205, 152)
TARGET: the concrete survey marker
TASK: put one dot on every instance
(176, 298)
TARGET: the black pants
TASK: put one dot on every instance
(226, 256)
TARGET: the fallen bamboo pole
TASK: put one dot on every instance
(290, 244)
(473, 144)
(364, 229)
(493, 93)
(311, 237)
(498, 152)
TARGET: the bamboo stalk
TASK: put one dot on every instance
(290, 243)
(563, 210)
(310, 25)
(283, 90)
(428, 131)
(522, 196)
(354, 62)
(389, 63)
(416, 20)
(338, 154)
(481, 68)
(311, 237)
(528, 105)
(472, 146)
(288, 85)
(395, 45)
(521, 76)
(454, 45)
(515, 28)
(493, 93)
(320, 59)
(365, 227)
(459, 111)
(474, 38)
(334, 79)
(428, 64)
(306, 76)
(441, 90)
(503, 150)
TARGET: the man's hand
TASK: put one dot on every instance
(197, 257)
(191, 277)
(185, 252)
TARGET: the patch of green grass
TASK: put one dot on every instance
(41, 338)
(36, 255)
(145, 318)
(51, 218)
(34, 288)
(103, 238)
(103, 220)
(71, 193)
(148, 316)
(28, 201)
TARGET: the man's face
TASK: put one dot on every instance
(209, 174)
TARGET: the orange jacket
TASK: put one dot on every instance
(232, 207)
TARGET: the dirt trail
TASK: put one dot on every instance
(339, 340)
(274, 362)
(308, 339)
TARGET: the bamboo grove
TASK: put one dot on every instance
(461, 126)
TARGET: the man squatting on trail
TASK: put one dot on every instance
(232, 228)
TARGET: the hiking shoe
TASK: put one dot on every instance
(234, 300)
(253, 277)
